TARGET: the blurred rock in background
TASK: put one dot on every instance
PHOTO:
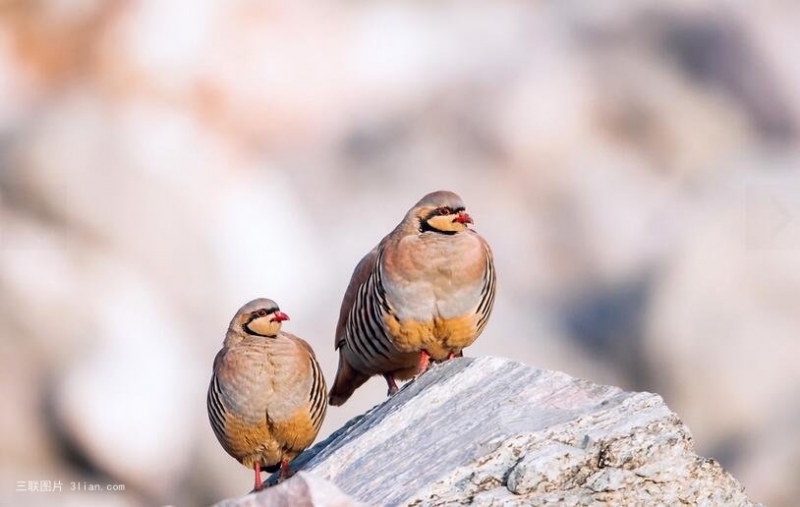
(635, 169)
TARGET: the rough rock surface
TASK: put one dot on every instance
(302, 490)
(491, 431)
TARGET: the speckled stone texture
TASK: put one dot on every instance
(491, 431)
(302, 490)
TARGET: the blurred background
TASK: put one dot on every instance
(635, 168)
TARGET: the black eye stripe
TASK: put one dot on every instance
(255, 315)
(439, 212)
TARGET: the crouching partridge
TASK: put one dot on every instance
(425, 292)
(266, 400)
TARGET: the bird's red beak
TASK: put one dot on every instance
(463, 218)
(279, 316)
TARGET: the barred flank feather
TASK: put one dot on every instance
(216, 410)
(487, 294)
(317, 395)
(365, 332)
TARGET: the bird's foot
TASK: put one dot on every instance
(285, 472)
(258, 484)
(391, 383)
(424, 361)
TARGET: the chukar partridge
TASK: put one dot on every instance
(266, 400)
(425, 292)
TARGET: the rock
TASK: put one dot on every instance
(491, 431)
(303, 489)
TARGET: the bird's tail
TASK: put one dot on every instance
(347, 381)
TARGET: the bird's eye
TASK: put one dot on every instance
(262, 313)
(444, 211)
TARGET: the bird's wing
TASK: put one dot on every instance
(361, 274)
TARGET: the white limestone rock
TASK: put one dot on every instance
(491, 431)
(303, 489)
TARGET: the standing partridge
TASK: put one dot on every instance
(266, 400)
(425, 292)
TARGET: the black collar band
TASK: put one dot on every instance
(424, 226)
(253, 333)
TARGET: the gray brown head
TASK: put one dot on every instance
(440, 212)
(261, 317)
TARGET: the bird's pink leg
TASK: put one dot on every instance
(391, 383)
(424, 360)
(285, 471)
(451, 355)
(258, 485)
